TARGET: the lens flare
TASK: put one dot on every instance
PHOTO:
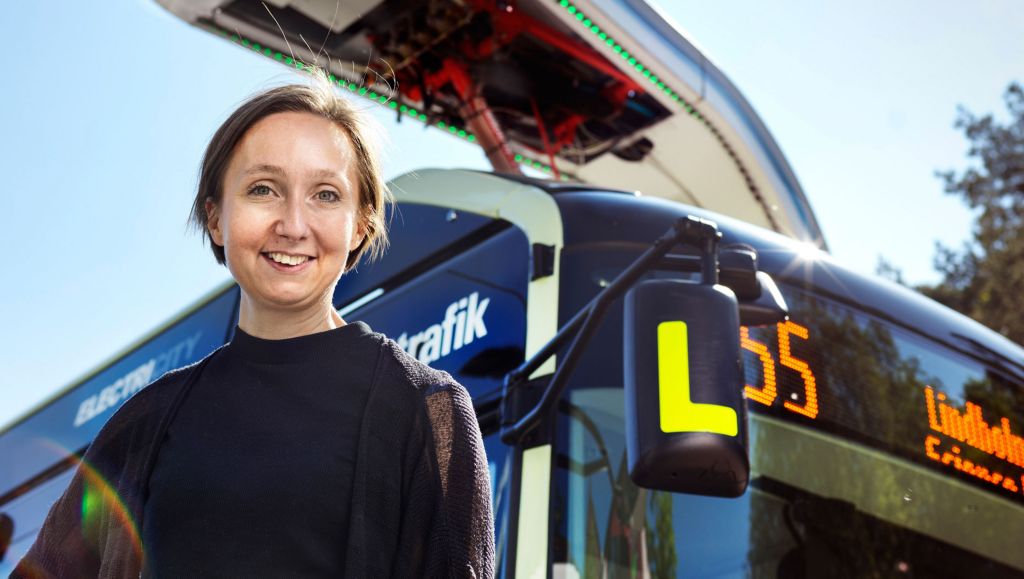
(100, 501)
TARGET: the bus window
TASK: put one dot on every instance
(875, 452)
(882, 386)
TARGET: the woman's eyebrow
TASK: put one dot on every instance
(276, 170)
(264, 168)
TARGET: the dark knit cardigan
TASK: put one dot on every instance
(421, 504)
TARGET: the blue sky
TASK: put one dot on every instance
(105, 112)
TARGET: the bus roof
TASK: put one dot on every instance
(603, 91)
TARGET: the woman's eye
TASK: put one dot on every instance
(259, 190)
(328, 195)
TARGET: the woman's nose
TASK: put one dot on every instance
(293, 222)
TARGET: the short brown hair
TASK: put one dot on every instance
(318, 98)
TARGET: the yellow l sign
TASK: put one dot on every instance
(678, 412)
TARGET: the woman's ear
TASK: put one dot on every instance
(359, 235)
(213, 222)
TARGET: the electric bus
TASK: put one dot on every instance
(884, 432)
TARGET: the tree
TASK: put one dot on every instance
(985, 278)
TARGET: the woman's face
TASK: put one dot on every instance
(291, 194)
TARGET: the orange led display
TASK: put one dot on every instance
(958, 437)
(953, 459)
(766, 393)
(970, 427)
(810, 405)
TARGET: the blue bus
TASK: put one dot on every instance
(885, 432)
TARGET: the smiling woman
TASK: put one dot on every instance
(288, 227)
(291, 184)
(306, 445)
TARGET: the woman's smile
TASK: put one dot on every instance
(288, 263)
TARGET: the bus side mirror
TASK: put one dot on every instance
(686, 420)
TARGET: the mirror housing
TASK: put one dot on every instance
(686, 419)
(768, 309)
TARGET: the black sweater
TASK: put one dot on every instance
(420, 505)
(254, 476)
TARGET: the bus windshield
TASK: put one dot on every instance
(874, 452)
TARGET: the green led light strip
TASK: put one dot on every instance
(531, 163)
(361, 90)
(524, 160)
(630, 59)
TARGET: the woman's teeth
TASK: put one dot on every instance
(288, 259)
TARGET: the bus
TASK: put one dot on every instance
(885, 432)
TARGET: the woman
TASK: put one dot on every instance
(306, 446)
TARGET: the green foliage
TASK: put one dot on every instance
(984, 279)
(661, 539)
